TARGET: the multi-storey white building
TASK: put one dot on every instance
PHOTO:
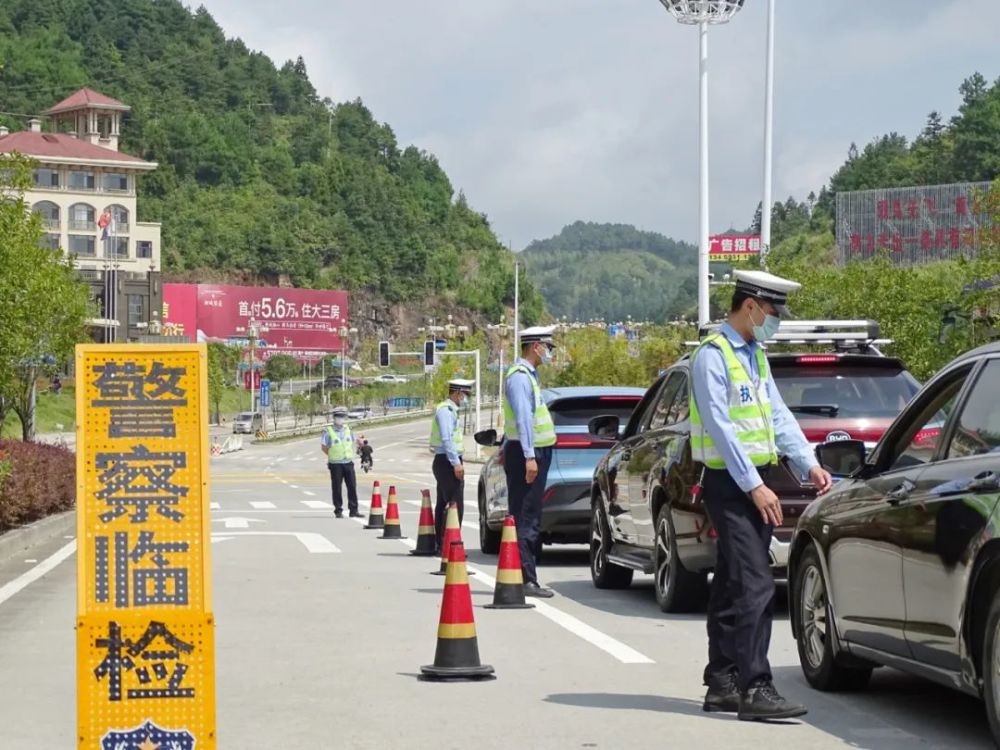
(80, 176)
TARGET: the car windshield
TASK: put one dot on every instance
(844, 391)
(579, 411)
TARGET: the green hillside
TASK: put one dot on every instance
(612, 271)
(259, 175)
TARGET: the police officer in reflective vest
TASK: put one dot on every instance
(739, 427)
(447, 444)
(338, 445)
(527, 450)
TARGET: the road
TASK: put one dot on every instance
(322, 628)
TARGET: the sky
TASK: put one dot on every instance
(546, 112)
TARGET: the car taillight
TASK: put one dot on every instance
(927, 438)
(577, 441)
(817, 359)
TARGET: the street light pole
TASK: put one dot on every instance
(765, 208)
(703, 225)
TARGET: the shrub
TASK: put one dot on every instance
(36, 480)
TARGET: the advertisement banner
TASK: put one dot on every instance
(300, 322)
(733, 247)
(145, 629)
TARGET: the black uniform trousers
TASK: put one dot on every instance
(740, 606)
(449, 490)
(344, 473)
(524, 501)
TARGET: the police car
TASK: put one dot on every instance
(646, 514)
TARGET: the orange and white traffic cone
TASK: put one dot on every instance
(457, 654)
(426, 533)
(376, 516)
(509, 591)
(452, 533)
(392, 529)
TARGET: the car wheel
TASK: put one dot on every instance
(677, 589)
(605, 574)
(489, 540)
(815, 631)
(991, 668)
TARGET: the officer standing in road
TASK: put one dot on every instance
(739, 426)
(527, 450)
(338, 445)
(447, 445)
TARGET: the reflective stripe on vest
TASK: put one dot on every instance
(749, 411)
(341, 449)
(457, 435)
(544, 431)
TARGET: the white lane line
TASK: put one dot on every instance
(318, 504)
(311, 494)
(28, 577)
(294, 486)
(315, 543)
(617, 649)
(214, 506)
(262, 504)
(297, 458)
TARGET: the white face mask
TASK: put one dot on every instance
(338, 421)
(546, 356)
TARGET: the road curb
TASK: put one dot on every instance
(19, 541)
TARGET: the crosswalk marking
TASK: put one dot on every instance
(317, 504)
(214, 506)
(311, 494)
(262, 504)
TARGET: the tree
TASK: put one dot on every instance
(43, 304)
(280, 368)
(216, 379)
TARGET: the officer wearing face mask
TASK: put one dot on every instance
(338, 445)
(529, 435)
(447, 443)
(739, 427)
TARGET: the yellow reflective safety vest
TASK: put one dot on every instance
(749, 410)
(457, 435)
(341, 448)
(544, 431)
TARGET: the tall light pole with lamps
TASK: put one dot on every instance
(703, 13)
(344, 331)
(502, 330)
(765, 207)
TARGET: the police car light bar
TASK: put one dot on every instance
(840, 333)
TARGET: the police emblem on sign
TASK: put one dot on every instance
(148, 737)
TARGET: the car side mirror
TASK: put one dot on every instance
(487, 438)
(604, 427)
(843, 458)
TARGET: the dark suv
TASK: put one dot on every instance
(899, 564)
(645, 515)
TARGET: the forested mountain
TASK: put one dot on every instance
(964, 149)
(258, 174)
(612, 271)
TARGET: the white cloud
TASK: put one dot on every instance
(545, 113)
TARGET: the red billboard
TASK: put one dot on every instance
(299, 322)
(731, 247)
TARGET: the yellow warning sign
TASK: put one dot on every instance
(145, 646)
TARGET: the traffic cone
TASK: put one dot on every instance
(376, 518)
(509, 590)
(426, 533)
(392, 529)
(457, 654)
(452, 533)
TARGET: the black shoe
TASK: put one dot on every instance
(355, 514)
(533, 589)
(723, 695)
(338, 513)
(761, 702)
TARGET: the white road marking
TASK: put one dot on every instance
(262, 504)
(317, 544)
(237, 522)
(214, 506)
(294, 486)
(311, 494)
(318, 504)
(31, 561)
(30, 576)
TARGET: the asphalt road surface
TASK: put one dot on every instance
(322, 628)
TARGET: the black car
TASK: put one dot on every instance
(645, 515)
(899, 565)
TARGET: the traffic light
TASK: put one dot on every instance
(383, 353)
(428, 353)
